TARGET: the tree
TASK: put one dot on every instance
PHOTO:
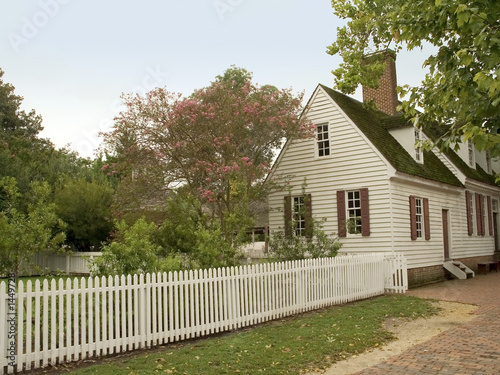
(217, 145)
(26, 234)
(86, 209)
(81, 189)
(461, 92)
(14, 122)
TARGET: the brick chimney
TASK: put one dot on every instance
(385, 96)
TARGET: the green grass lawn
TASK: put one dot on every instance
(289, 346)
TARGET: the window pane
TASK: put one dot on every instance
(354, 212)
(419, 216)
(299, 216)
(323, 140)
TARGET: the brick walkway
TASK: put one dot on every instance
(472, 348)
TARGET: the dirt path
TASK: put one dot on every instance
(408, 333)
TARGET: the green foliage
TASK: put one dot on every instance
(86, 208)
(80, 189)
(212, 250)
(15, 123)
(314, 243)
(24, 234)
(291, 247)
(461, 92)
(217, 145)
(134, 251)
(183, 217)
(143, 247)
(235, 77)
(186, 231)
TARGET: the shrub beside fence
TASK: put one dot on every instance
(92, 317)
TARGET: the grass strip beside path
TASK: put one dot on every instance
(288, 346)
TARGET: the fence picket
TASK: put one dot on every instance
(99, 316)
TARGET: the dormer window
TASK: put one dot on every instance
(488, 162)
(472, 159)
(323, 140)
(418, 149)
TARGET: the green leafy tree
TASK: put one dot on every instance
(86, 209)
(217, 145)
(183, 218)
(212, 251)
(186, 231)
(461, 92)
(15, 123)
(23, 235)
(134, 250)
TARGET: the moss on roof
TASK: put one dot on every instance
(477, 173)
(375, 124)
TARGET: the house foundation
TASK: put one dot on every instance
(427, 275)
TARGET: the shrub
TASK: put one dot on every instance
(319, 245)
(134, 251)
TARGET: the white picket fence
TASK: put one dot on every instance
(68, 263)
(92, 317)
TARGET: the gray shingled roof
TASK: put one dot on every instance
(375, 125)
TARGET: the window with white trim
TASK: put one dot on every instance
(418, 149)
(354, 212)
(471, 212)
(419, 216)
(299, 216)
(470, 148)
(323, 140)
(485, 214)
(488, 162)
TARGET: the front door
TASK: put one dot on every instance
(446, 239)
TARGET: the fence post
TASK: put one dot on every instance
(4, 311)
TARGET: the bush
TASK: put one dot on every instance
(212, 250)
(134, 251)
(24, 233)
(319, 245)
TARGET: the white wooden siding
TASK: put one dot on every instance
(355, 163)
(406, 138)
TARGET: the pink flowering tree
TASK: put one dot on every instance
(217, 145)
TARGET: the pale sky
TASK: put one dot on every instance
(72, 59)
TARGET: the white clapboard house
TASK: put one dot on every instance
(379, 192)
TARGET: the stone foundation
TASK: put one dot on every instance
(426, 275)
